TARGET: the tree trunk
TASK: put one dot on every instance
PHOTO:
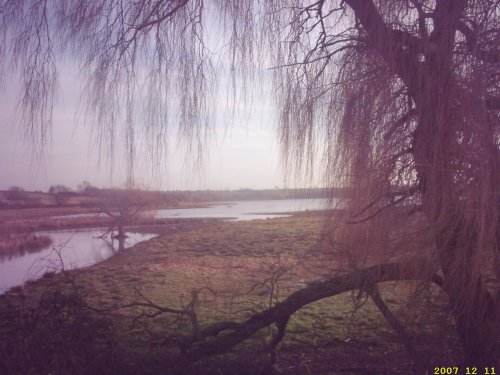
(476, 312)
(474, 309)
(458, 248)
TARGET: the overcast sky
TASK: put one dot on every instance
(245, 155)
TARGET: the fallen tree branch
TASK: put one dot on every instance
(364, 279)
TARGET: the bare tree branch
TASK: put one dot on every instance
(492, 57)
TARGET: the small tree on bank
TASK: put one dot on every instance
(401, 96)
(124, 207)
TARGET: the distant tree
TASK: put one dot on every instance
(93, 191)
(83, 186)
(401, 96)
(56, 189)
(58, 192)
(15, 193)
(15, 188)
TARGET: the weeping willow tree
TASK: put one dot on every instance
(399, 97)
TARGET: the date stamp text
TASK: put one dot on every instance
(451, 370)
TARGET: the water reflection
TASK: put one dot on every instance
(70, 249)
(37, 244)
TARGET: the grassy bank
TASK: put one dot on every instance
(236, 267)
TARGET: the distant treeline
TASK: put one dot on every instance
(90, 196)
